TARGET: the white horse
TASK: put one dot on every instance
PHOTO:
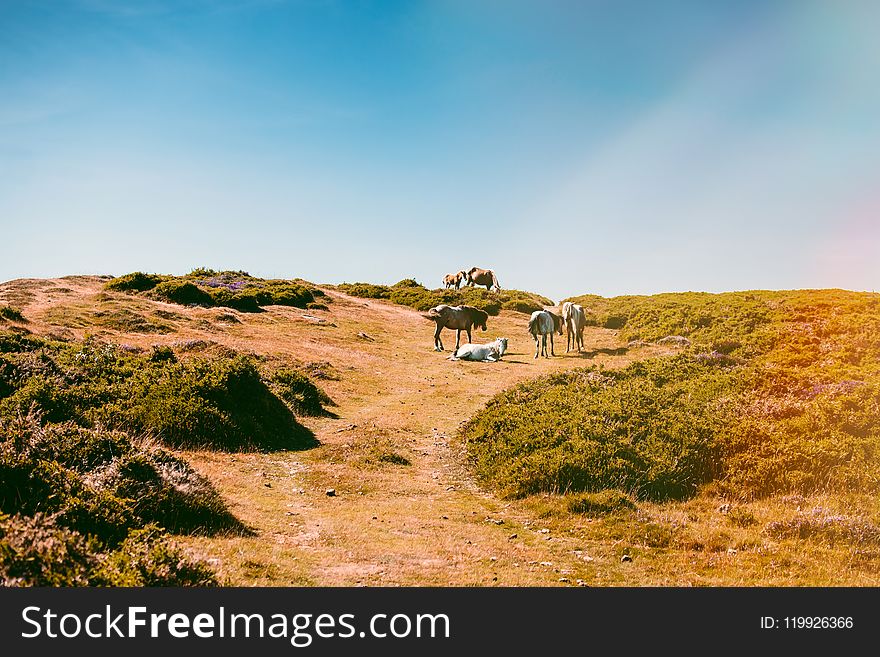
(544, 323)
(488, 353)
(575, 321)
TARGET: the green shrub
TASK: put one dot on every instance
(285, 294)
(410, 293)
(300, 392)
(135, 282)
(92, 500)
(102, 483)
(11, 314)
(231, 289)
(407, 282)
(786, 401)
(182, 292)
(34, 551)
(148, 558)
(366, 290)
(37, 551)
(220, 402)
(161, 354)
(215, 403)
(644, 429)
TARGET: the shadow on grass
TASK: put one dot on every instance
(618, 351)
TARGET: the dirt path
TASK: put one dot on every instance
(405, 510)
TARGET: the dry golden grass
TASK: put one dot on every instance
(406, 509)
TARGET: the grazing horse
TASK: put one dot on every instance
(544, 323)
(460, 318)
(575, 320)
(487, 353)
(477, 276)
(454, 280)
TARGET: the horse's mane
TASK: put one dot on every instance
(477, 316)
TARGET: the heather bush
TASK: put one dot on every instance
(778, 392)
(409, 292)
(219, 402)
(102, 483)
(183, 293)
(230, 289)
(11, 314)
(300, 392)
(37, 551)
(135, 282)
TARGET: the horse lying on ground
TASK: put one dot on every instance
(544, 323)
(575, 321)
(460, 318)
(454, 280)
(477, 276)
(488, 353)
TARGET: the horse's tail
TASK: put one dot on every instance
(532, 325)
(495, 282)
(432, 314)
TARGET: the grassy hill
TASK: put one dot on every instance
(712, 440)
(410, 293)
(89, 491)
(775, 392)
(207, 287)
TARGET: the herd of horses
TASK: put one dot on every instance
(542, 323)
(474, 276)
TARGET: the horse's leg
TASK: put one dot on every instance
(552, 353)
(470, 339)
(537, 345)
(438, 343)
(457, 338)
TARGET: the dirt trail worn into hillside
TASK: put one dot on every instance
(406, 510)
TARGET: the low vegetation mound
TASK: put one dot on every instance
(230, 289)
(778, 392)
(212, 401)
(37, 551)
(85, 506)
(87, 494)
(11, 314)
(410, 293)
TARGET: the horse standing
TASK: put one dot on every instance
(460, 318)
(454, 280)
(477, 276)
(544, 323)
(575, 321)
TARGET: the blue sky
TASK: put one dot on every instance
(609, 147)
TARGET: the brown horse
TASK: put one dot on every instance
(477, 276)
(454, 280)
(459, 318)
